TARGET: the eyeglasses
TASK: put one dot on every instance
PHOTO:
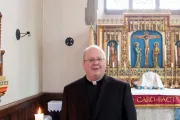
(92, 60)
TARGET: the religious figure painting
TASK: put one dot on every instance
(138, 55)
(113, 53)
(146, 40)
(155, 55)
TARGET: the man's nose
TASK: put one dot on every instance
(95, 61)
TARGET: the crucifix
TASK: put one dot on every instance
(146, 37)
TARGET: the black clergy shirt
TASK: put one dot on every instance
(93, 94)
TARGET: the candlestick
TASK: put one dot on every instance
(113, 65)
(176, 81)
(108, 55)
(124, 64)
(39, 116)
(166, 85)
(172, 65)
(129, 54)
(118, 53)
(172, 81)
(176, 53)
(165, 52)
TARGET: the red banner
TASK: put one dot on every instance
(156, 101)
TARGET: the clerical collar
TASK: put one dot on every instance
(94, 82)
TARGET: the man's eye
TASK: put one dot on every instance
(91, 60)
(99, 59)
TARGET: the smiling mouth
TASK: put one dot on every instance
(95, 68)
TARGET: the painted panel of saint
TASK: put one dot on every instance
(113, 53)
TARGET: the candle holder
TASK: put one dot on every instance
(118, 68)
(176, 81)
(113, 70)
(107, 69)
(172, 79)
(166, 85)
(129, 74)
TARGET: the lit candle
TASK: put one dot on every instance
(172, 65)
(176, 53)
(39, 116)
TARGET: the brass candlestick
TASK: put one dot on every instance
(172, 81)
(176, 81)
(118, 68)
(107, 69)
(166, 85)
(129, 75)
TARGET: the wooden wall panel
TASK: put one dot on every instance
(21, 110)
(14, 116)
(25, 109)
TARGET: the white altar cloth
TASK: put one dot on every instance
(54, 106)
(165, 91)
(156, 113)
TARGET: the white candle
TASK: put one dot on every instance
(129, 55)
(39, 116)
(118, 52)
(113, 65)
(165, 52)
(108, 54)
(124, 64)
(176, 53)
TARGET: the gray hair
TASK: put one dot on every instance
(94, 46)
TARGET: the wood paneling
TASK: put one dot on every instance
(26, 108)
(21, 110)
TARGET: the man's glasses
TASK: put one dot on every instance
(92, 60)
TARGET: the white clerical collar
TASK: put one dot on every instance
(94, 82)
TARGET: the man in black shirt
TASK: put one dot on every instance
(97, 96)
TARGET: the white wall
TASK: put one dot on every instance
(63, 64)
(22, 59)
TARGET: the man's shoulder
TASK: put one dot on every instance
(75, 83)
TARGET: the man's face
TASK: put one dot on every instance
(94, 64)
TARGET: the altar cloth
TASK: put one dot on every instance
(167, 98)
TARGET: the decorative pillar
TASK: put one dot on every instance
(91, 36)
(100, 37)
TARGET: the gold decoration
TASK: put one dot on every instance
(91, 36)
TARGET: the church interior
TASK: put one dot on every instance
(42, 44)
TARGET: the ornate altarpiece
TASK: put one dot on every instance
(118, 36)
(3, 81)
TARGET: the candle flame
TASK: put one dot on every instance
(39, 110)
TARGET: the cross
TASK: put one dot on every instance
(146, 37)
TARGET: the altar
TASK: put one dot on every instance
(141, 42)
(157, 104)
